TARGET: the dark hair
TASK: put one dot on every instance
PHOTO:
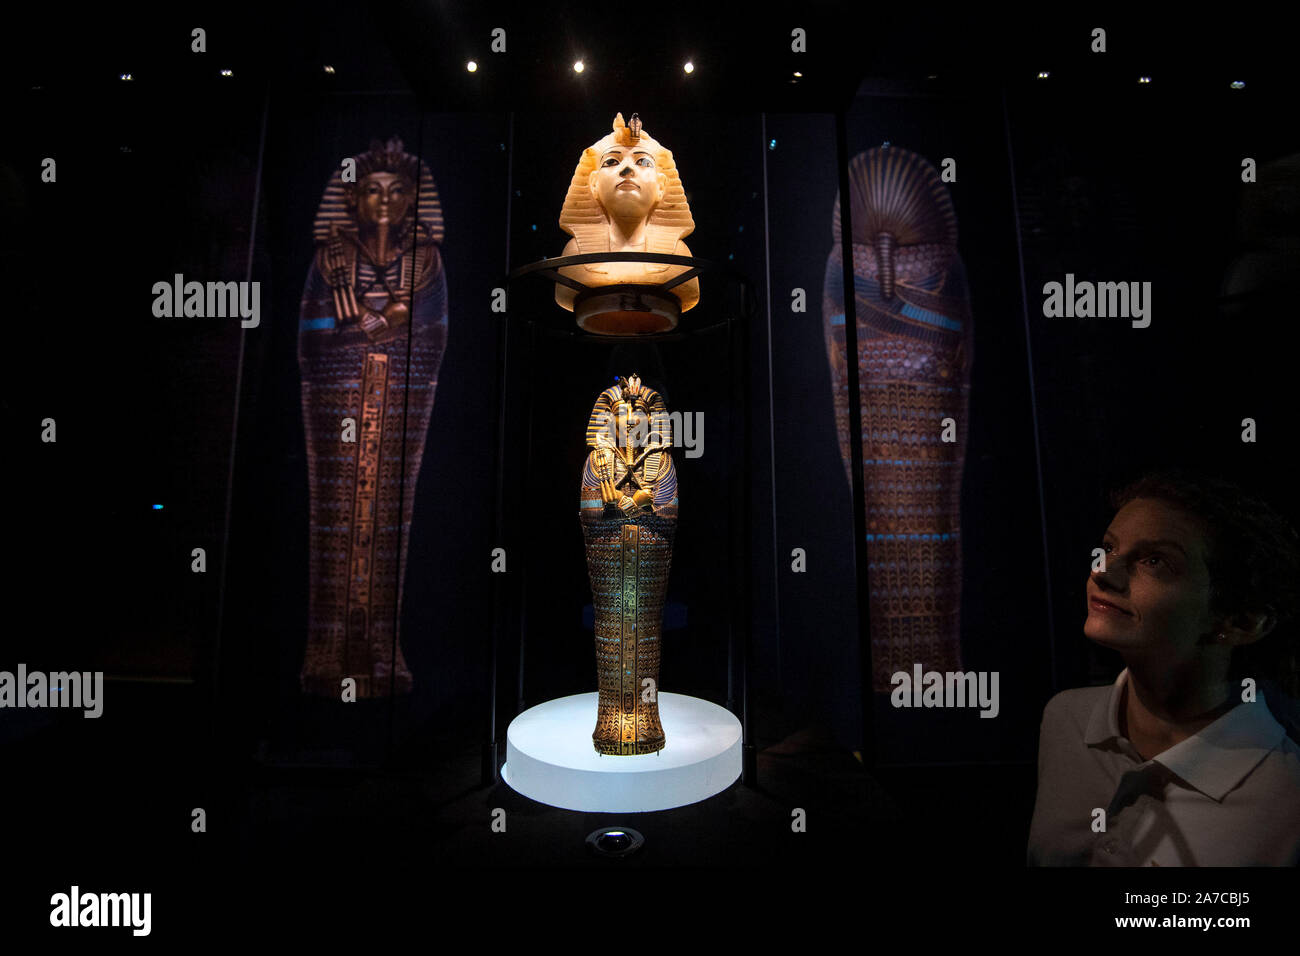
(1253, 556)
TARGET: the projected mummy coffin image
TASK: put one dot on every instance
(370, 339)
(914, 359)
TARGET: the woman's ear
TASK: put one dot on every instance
(1248, 628)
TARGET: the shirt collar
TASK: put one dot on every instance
(1213, 760)
(1103, 725)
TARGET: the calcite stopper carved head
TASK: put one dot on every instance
(626, 196)
(626, 175)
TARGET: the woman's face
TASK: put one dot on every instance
(1154, 596)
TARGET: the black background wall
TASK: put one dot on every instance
(181, 170)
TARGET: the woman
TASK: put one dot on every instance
(1182, 761)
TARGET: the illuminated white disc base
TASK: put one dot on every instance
(550, 757)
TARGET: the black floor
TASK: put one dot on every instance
(108, 805)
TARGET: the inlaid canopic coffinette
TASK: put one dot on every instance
(628, 509)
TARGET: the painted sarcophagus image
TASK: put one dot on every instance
(914, 359)
(371, 336)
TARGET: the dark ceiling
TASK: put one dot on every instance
(634, 54)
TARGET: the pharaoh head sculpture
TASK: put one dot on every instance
(626, 196)
(597, 194)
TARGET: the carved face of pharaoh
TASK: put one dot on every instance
(383, 199)
(627, 183)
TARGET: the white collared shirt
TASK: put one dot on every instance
(1228, 795)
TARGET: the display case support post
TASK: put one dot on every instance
(489, 762)
(531, 361)
(749, 754)
(855, 443)
(732, 497)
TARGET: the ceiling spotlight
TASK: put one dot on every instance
(125, 76)
(227, 73)
(1238, 85)
(689, 67)
(328, 68)
(797, 73)
(1043, 74)
(471, 66)
(1144, 79)
(578, 67)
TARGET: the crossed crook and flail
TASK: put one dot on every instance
(632, 464)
